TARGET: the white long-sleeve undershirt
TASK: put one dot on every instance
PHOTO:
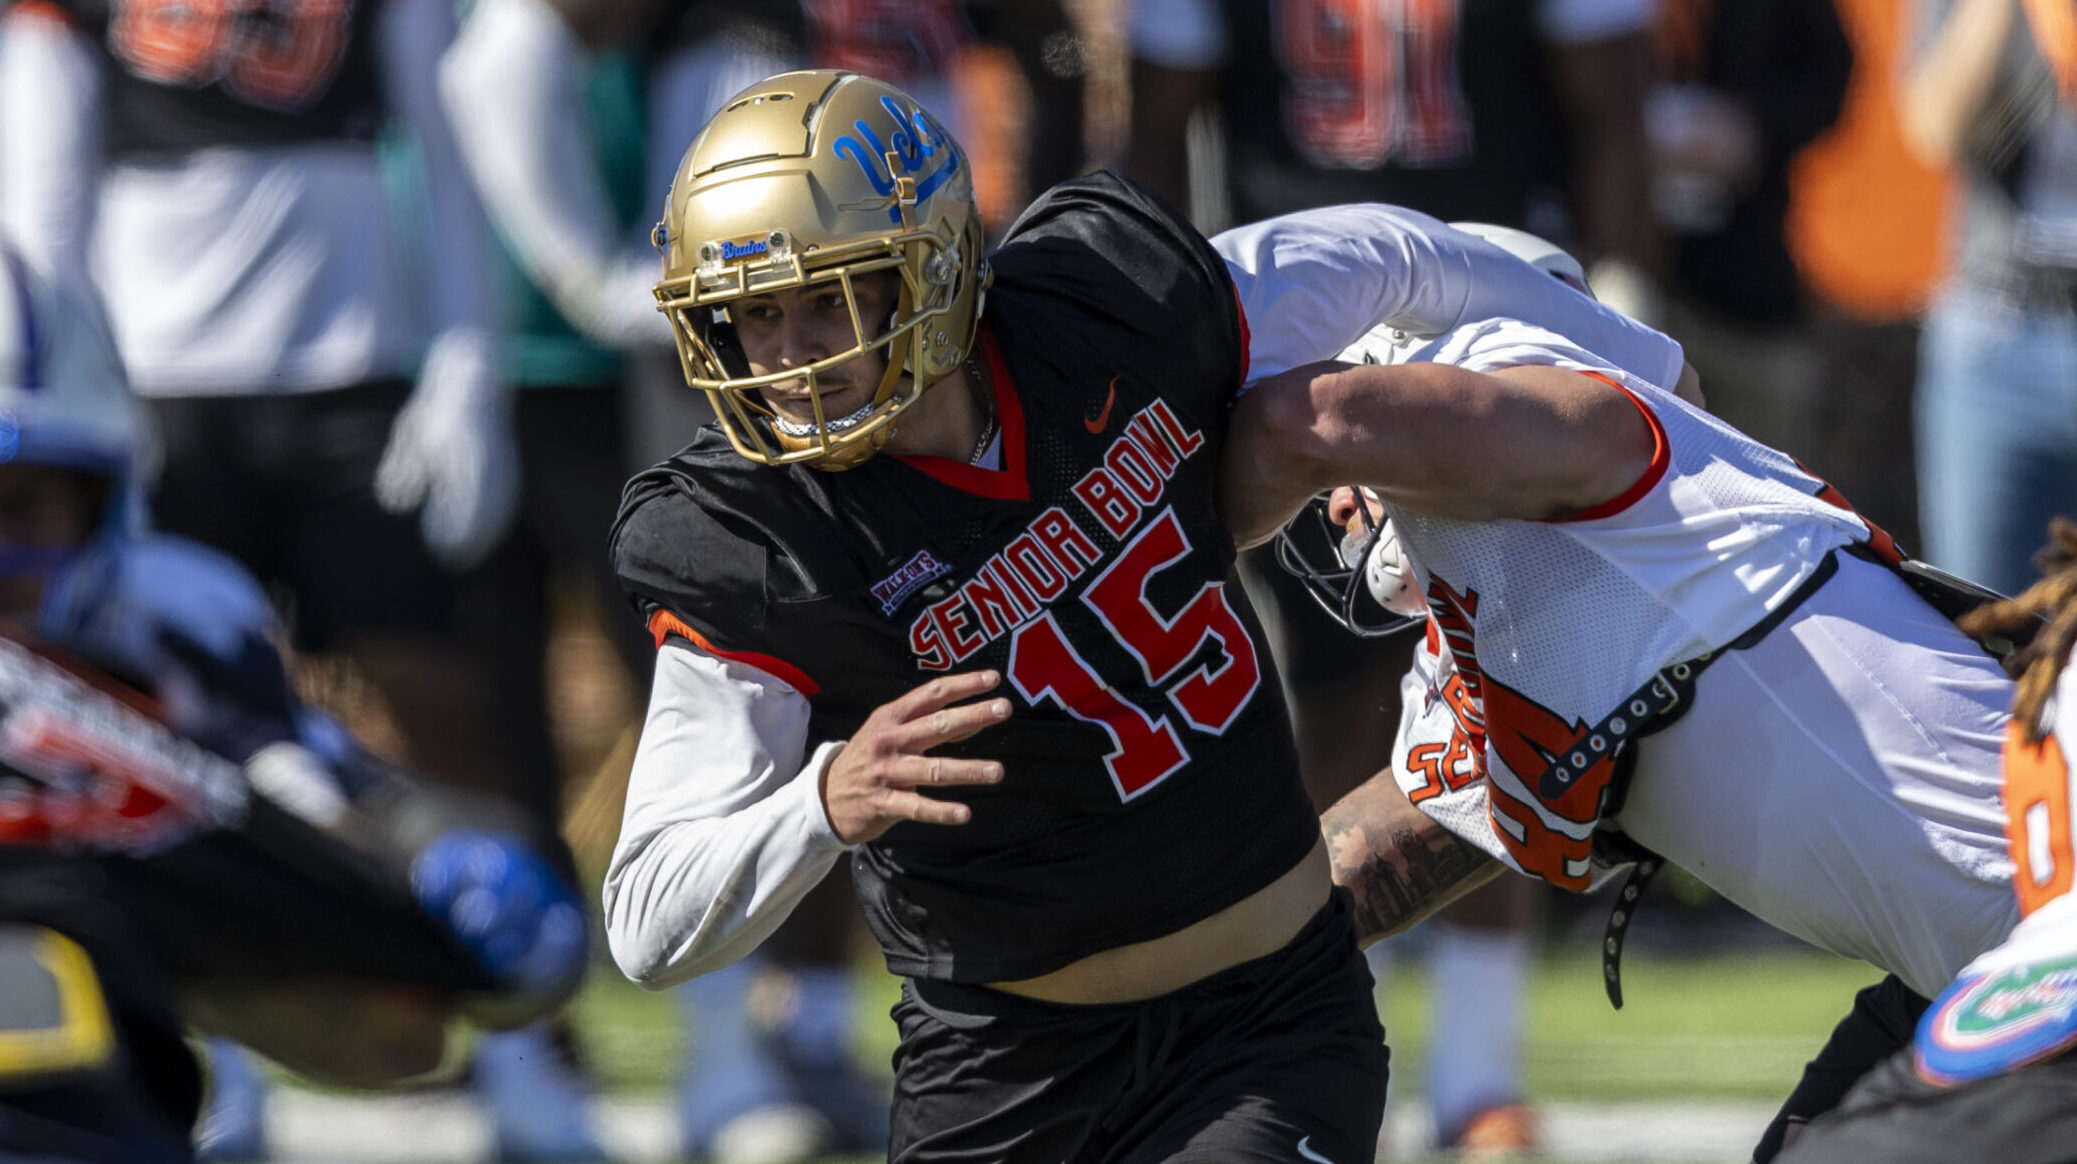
(724, 830)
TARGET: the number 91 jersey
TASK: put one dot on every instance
(184, 75)
(1150, 778)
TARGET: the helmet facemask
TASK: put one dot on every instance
(714, 360)
(1331, 562)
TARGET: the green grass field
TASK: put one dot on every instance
(1705, 1048)
(1719, 1026)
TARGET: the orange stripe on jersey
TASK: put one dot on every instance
(1885, 546)
(1240, 313)
(2037, 802)
(664, 624)
(1662, 456)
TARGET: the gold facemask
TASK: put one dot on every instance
(809, 179)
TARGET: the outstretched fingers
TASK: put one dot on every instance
(885, 774)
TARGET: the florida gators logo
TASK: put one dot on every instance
(919, 146)
(1991, 1023)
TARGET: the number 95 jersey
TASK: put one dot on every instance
(1150, 778)
(184, 75)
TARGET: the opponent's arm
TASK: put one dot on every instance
(730, 820)
(1395, 860)
(1312, 283)
(1534, 441)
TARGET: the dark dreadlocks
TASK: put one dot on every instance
(2053, 599)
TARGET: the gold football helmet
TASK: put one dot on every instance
(818, 178)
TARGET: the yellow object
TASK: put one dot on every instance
(81, 1036)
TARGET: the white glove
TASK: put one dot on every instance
(1388, 572)
(452, 452)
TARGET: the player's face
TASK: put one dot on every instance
(42, 508)
(796, 327)
(1345, 508)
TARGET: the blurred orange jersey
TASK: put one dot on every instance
(1866, 219)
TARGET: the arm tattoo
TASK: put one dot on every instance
(1399, 865)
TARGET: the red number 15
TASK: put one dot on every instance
(1145, 747)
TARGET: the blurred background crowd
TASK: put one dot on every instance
(380, 268)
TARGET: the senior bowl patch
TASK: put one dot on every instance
(895, 588)
(1991, 1023)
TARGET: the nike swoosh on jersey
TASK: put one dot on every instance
(1305, 1150)
(1096, 424)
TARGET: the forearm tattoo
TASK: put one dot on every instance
(1398, 867)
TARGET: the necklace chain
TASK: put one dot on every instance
(980, 381)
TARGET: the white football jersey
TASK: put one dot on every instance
(1550, 625)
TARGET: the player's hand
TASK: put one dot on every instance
(875, 780)
(452, 453)
(506, 906)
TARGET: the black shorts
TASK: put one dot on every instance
(286, 485)
(2028, 1116)
(1278, 1061)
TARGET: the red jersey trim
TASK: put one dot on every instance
(1009, 482)
(664, 624)
(1247, 338)
(1884, 546)
(1662, 456)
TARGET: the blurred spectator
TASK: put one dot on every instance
(1992, 88)
(327, 392)
(1747, 85)
(1864, 229)
(1523, 113)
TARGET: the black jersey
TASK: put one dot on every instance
(1150, 778)
(1441, 105)
(184, 75)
